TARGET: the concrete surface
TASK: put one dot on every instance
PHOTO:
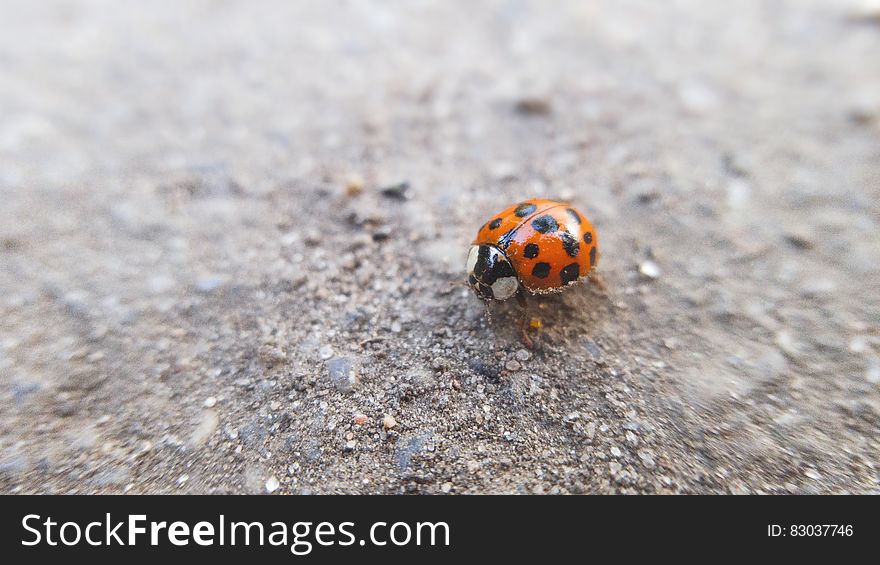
(204, 289)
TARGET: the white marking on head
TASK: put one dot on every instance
(472, 259)
(504, 288)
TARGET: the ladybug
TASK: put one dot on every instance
(538, 246)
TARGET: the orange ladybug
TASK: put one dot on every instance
(541, 246)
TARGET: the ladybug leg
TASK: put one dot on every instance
(598, 281)
(524, 320)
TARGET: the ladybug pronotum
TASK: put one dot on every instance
(540, 246)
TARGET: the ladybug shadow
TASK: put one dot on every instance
(552, 318)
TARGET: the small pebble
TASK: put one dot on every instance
(738, 193)
(205, 429)
(271, 355)
(388, 422)
(649, 269)
(786, 343)
(354, 185)
(272, 484)
(326, 352)
(350, 445)
(590, 429)
(799, 240)
(512, 365)
(698, 98)
(523, 355)
(341, 372)
(615, 452)
(446, 487)
(208, 284)
(360, 419)
(290, 238)
(533, 106)
(858, 344)
(872, 373)
(400, 191)
(210, 402)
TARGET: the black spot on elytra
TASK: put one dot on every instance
(588, 237)
(571, 244)
(531, 251)
(495, 223)
(541, 270)
(524, 209)
(575, 217)
(570, 273)
(545, 224)
(592, 256)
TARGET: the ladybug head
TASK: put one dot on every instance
(490, 273)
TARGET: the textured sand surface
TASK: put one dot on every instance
(204, 288)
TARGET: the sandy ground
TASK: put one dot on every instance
(204, 288)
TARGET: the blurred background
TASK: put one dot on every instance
(228, 233)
